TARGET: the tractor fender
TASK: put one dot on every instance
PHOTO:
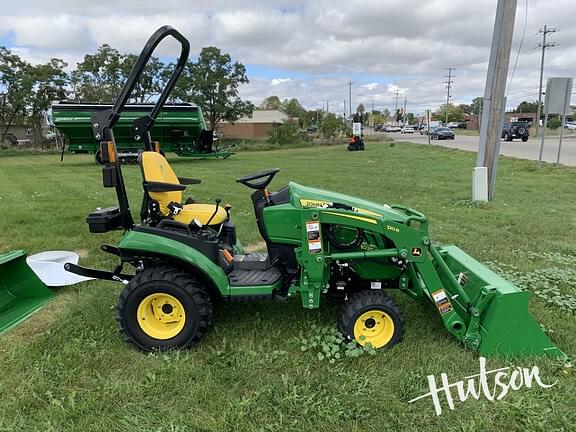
(178, 254)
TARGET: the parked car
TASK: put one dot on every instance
(312, 129)
(453, 125)
(516, 130)
(570, 125)
(441, 133)
(407, 130)
(393, 128)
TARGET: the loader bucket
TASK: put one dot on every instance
(505, 326)
(21, 292)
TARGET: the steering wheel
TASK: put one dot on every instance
(265, 178)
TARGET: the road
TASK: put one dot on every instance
(517, 148)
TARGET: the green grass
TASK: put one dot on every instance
(67, 368)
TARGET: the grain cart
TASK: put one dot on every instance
(179, 128)
(185, 255)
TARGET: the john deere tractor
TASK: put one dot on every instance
(185, 255)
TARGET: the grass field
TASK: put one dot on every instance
(67, 368)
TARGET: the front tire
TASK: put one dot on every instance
(163, 308)
(371, 317)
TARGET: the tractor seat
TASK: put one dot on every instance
(156, 169)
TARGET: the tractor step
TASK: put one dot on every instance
(252, 261)
(245, 277)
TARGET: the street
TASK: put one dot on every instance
(516, 148)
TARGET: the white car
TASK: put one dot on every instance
(393, 129)
(407, 130)
(571, 126)
(453, 125)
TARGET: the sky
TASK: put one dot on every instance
(311, 50)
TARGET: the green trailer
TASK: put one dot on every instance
(179, 128)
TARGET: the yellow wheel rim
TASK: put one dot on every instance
(375, 327)
(161, 316)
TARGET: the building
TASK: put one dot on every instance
(256, 126)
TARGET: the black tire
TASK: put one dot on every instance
(521, 130)
(507, 137)
(176, 283)
(363, 302)
(524, 138)
(98, 157)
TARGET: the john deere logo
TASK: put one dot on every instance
(416, 252)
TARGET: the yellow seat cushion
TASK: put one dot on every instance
(202, 212)
(155, 168)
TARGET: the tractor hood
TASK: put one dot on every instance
(308, 197)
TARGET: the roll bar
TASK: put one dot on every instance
(104, 121)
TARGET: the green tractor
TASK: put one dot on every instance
(319, 243)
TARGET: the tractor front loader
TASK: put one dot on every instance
(184, 255)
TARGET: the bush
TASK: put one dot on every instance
(286, 134)
(554, 123)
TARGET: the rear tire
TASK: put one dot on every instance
(507, 137)
(169, 294)
(371, 317)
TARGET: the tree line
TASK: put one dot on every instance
(26, 90)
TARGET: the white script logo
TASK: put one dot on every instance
(477, 385)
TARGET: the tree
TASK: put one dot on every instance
(15, 85)
(330, 127)
(386, 114)
(99, 77)
(476, 105)
(410, 118)
(28, 90)
(212, 83)
(152, 80)
(271, 103)
(399, 117)
(455, 114)
(360, 109)
(527, 107)
(49, 83)
(284, 134)
(294, 110)
(466, 109)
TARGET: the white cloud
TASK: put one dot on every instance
(278, 81)
(315, 47)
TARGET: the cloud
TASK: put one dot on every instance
(278, 81)
(311, 50)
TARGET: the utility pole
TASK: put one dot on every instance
(494, 103)
(404, 114)
(372, 105)
(544, 45)
(350, 96)
(344, 109)
(327, 106)
(396, 107)
(448, 85)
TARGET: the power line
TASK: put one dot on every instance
(520, 46)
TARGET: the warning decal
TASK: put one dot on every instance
(442, 301)
(313, 235)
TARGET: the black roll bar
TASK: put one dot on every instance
(104, 121)
(107, 119)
